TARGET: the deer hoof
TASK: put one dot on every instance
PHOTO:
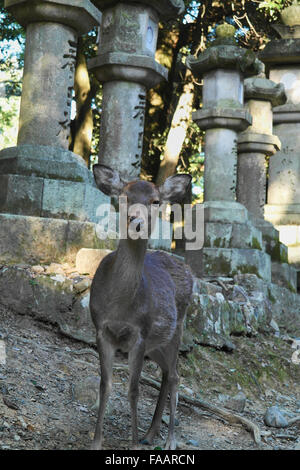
(96, 446)
(171, 444)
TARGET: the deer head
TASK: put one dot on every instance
(141, 198)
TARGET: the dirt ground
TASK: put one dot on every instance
(41, 408)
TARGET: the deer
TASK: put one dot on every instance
(138, 301)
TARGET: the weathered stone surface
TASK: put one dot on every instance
(88, 260)
(225, 212)
(225, 57)
(252, 168)
(44, 161)
(77, 323)
(41, 197)
(229, 261)
(126, 66)
(21, 194)
(275, 417)
(80, 15)
(252, 142)
(211, 318)
(226, 235)
(223, 89)
(237, 119)
(283, 199)
(48, 80)
(70, 200)
(130, 68)
(290, 16)
(36, 239)
(208, 319)
(258, 88)
(266, 228)
(281, 51)
(282, 304)
(43, 297)
(122, 127)
(165, 8)
(236, 403)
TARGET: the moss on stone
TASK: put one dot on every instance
(270, 296)
(219, 242)
(290, 287)
(255, 244)
(220, 265)
(277, 253)
(246, 269)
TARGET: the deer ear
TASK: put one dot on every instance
(175, 188)
(108, 180)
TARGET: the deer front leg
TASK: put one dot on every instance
(173, 383)
(136, 359)
(106, 354)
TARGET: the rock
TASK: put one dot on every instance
(166, 419)
(88, 259)
(236, 403)
(82, 285)
(74, 274)
(55, 268)
(187, 342)
(37, 269)
(192, 442)
(58, 278)
(186, 390)
(239, 294)
(78, 322)
(274, 417)
(274, 326)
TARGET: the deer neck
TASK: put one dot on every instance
(128, 266)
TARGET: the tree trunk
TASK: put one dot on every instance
(177, 132)
(82, 125)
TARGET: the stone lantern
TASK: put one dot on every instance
(52, 29)
(232, 242)
(257, 142)
(282, 59)
(126, 66)
(48, 199)
(254, 144)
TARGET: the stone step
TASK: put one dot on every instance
(41, 240)
(54, 198)
(229, 235)
(283, 274)
(231, 261)
(277, 250)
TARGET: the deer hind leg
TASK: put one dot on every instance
(173, 380)
(136, 360)
(173, 384)
(106, 353)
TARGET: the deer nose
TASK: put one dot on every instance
(136, 222)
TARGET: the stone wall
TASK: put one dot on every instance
(220, 308)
